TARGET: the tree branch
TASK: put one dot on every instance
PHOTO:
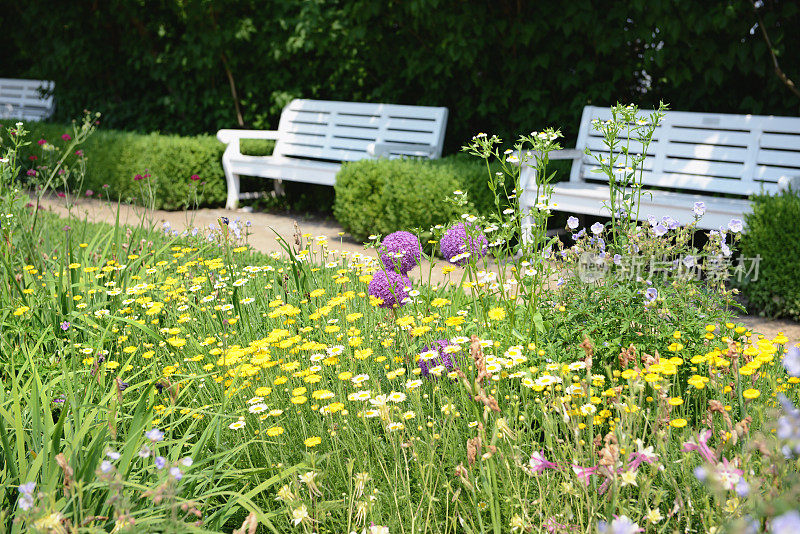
(778, 72)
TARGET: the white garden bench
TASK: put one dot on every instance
(27, 100)
(314, 137)
(693, 157)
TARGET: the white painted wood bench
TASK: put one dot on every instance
(694, 157)
(27, 100)
(314, 137)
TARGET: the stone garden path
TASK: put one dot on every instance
(264, 240)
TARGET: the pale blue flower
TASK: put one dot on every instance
(792, 361)
(572, 223)
(788, 523)
(699, 209)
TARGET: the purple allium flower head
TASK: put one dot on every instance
(144, 452)
(699, 208)
(572, 223)
(160, 462)
(735, 226)
(105, 466)
(792, 361)
(788, 523)
(114, 455)
(175, 473)
(457, 246)
(390, 286)
(187, 461)
(596, 228)
(400, 251)
(28, 488)
(444, 358)
(65, 325)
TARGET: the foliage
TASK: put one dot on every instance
(525, 65)
(114, 158)
(381, 196)
(774, 236)
(302, 405)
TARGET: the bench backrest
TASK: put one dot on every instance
(25, 99)
(705, 152)
(341, 131)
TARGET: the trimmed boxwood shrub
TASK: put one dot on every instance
(773, 233)
(115, 157)
(382, 196)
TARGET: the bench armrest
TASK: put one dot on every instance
(228, 136)
(378, 150)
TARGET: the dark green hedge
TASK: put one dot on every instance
(382, 196)
(772, 232)
(504, 67)
(113, 158)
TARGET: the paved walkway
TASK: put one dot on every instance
(264, 240)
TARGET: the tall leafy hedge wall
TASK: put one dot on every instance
(502, 66)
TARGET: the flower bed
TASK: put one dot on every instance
(155, 380)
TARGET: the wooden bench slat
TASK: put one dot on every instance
(313, 132)
(704, 155)
(782, 158)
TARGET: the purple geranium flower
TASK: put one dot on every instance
(596, 228)
(659, 229)
(735, 226)
(792, 361)
(389, 286)
(65, 325)
(400, 251)
(620, 525)
(788, 523)
(572, 223)
(699, 209)
(650, 295)
(457, 246)
(154, 435)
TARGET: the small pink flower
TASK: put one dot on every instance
(66, 137)
(584, 473)
(89, 192)
(61, 195)
(42, 142)
(538, 463)
(138, 177)
(31, 172)
(194, 177)
(79, 153)
(32, 158)
(106, 186)
(701, 446)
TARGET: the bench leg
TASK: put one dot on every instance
(233, 189)
(277, 188)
